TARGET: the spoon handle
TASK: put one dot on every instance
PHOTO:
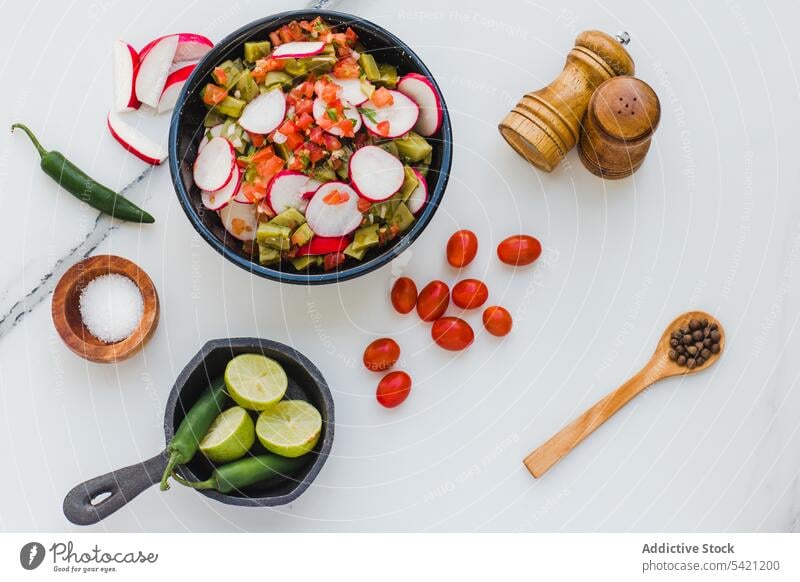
(548, 454)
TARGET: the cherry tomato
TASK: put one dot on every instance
(433, 301)
(393, 389)
(404, 295)
(519, 250)
(462, 248)
(497, 320)
(452, 333)
(381, 354)
(470, 293)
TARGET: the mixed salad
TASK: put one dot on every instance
(313, 151)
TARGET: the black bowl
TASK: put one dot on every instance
(187, 127)
(305, 383)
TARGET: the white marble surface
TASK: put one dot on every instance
(711, 221)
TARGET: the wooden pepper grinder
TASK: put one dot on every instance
(545, 124)
(615, 136)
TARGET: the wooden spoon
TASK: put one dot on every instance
(658, 368)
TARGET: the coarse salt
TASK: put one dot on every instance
(111, 307)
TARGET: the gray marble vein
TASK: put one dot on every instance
(103, 226)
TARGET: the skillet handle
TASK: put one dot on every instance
(122, 484)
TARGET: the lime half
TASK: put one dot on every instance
(230, 436)
(254, 381)
(290, 428)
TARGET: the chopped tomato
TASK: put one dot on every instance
(315, 153)
(304, 106)
(304, 121)
(335, 197)
(331, 143)
(254, 192)
(242, 162)
(333, 260)
(276, 40)
(351, 35)
(317, 135)
(364, 205)
(346, 125)
(325, 123)
(308, 89)
(339, 38)
(347, 68)
(288, 127)
(256, 139)
(297, 163)
(382, 97)
(306, 25)
(269, 167)
(221, 75)
(213, 94)
(344, 51)
(293, 140)
(264, 66)
(285, 34)
(295, 30)
(262, 154)
(383, 128)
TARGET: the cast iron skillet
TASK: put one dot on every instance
(305, 383)
(186, 129)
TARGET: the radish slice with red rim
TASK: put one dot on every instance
(352, 91)
(192, 47)
(135, 141)
(336, 218)
(240, 220)
(416, 201)
(172, 88)
(298, 49)
(424, 94)
(401, 115)
(220, 198)
(375, 173)
(154, 64)
(349, 111)
(215, 165)
(324, 245)
(126, 64)
(286, 190)
(215, 131)
(264, 113)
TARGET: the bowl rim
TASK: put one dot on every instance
(338, 275)
(256, 344)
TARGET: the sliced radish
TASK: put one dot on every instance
(286, 190)
(264, 113)
(298, 49)
(215, 165)
(352, 91)
(240, 220)
(126, 64)
(154, 64)
(402, 114)
(375, 173)
(220, 199)
(349, 111)
(333, 219)
(215, 131)
(419, 196)
(239, 197)
(424, 94)
(192, 47)
(324, 245)
(135, 141)
(172, 88)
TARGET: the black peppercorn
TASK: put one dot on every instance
(714, 348)
(673, 355)
(705, 353)
(682, 360)
(687, 339)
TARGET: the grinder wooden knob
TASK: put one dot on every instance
(622, 115)
(545, 124)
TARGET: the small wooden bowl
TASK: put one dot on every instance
(67, 315)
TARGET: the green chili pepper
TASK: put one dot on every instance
(194, 427)
(84, 188)
(248, 471)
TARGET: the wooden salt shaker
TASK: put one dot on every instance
(545, 124)
(615, 136)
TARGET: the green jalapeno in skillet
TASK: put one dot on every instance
(193, 427)
(83, 187)
(244, 472)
